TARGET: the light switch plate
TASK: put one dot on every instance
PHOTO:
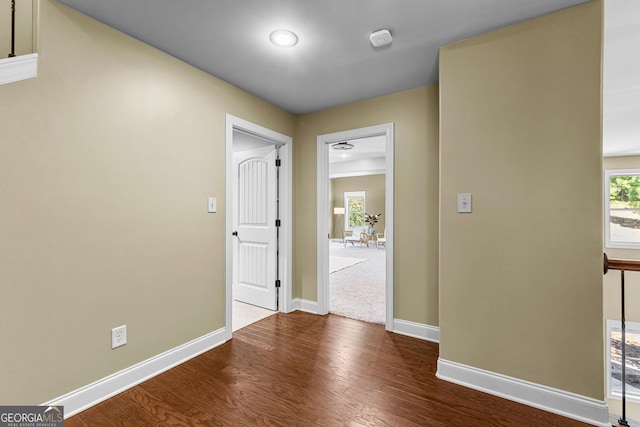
(464, 203)
(213, 205)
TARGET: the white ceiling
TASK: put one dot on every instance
(367, 157)
(363, 148)
(334, 63)
(621, 103)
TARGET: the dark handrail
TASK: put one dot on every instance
(620, 264)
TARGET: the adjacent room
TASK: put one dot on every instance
(357, 249)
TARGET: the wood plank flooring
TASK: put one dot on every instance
(300, 369)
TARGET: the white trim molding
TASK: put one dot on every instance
(96, 392)
(570, 405)
(416, 330)
(632, 330)
(615, 244)
(304, 305)
(18, 68)
(358, 173)
(233, 123)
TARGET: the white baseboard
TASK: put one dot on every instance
(304, 305)
(94, 393)
(18, 68)
(577, 407)
(416, 330)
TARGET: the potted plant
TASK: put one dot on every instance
(372, 220)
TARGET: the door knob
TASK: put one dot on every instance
(235, 233)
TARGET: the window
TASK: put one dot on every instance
(622, 203)
(614, 360)
(355, 203)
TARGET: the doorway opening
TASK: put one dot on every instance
(357, 241)
(332, 216)
(257, 223)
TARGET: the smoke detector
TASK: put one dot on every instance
(380, 38)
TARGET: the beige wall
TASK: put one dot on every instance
(23, 29)
(106, 162)
(632, 283)
(521, 276)
(115, 147)
(373, 185)
(415, 114)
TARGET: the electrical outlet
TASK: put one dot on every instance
(118, 336)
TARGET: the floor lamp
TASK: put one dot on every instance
(339, 212)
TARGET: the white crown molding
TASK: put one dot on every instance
(359, 173)
(96, 392)
(18, 68)
(416, 330)
(577, 407)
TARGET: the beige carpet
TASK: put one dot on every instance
(358, 290)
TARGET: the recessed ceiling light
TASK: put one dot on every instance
(283, 38)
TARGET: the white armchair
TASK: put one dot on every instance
(355, 235)
(381, 239)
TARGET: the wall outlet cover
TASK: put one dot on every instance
(118, 336)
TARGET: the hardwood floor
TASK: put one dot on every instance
(300, 369)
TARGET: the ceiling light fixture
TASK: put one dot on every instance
(342, 146)
(283, 38)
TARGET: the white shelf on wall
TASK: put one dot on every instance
(18, 68)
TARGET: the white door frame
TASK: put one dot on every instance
(235, 123)
(323, 212)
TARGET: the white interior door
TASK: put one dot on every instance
(254, 225)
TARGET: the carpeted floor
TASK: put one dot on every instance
(337, 263)
(358, 290)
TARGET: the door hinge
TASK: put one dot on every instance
(278, 163)
(277, 223)
(278, 283)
